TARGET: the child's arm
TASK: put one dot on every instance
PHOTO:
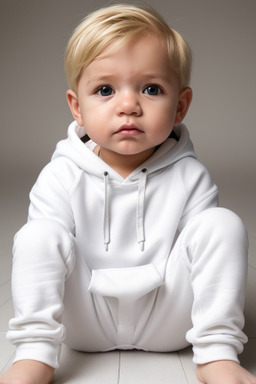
(224, 371)
(28, 372)
(49, 202)
(50, 197)
(199, 188)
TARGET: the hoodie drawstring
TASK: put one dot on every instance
(106, 219)
(139, 210)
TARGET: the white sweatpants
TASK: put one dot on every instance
(198, 298)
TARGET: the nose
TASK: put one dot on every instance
(128, 104)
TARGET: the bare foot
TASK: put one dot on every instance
(224, 372)
(28, 372)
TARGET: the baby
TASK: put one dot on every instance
(125, 246)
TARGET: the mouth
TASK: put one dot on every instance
(129, 130)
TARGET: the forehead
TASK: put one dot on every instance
(140, 55)
(143, 41)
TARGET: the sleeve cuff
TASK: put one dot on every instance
(44, 352)
(206, 353)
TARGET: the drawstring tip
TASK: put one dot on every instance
(106, 247)
(142, 246)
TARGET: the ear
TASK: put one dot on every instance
(73, 103)
(184, 102)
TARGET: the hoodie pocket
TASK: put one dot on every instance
(125, 283)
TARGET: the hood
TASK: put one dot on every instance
(83, 156)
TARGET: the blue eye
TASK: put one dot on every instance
(152, 90)
(106, 90)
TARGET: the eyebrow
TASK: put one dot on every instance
(146, 76)
(157, 76)
(99, 78)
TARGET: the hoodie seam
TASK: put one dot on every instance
(211, 190)
(198, 202)
(76, 183)
(77, 178)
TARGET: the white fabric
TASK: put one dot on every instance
(73, 260)
(128, 283)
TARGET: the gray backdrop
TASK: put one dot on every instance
(34, 114)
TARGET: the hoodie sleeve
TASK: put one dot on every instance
(200, 190)
(50, 196)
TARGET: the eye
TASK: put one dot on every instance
(105, 90)
(152, 90)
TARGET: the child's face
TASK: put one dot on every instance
(129, 99)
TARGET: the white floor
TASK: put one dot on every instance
(121, 367)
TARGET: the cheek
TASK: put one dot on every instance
(165, 116)
(87, 116)
(170, 116)
(94, 126)
(96, 116)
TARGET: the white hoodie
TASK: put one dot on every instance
(123, 222)
(125, 230)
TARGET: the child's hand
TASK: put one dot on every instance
(224, 372)
(28, 372)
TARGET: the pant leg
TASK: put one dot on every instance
(202, 298)
(43, 257)
(214, 246)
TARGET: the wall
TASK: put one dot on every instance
(34, 114)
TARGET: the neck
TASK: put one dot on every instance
(124, 164)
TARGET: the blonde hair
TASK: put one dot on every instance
(121, 24)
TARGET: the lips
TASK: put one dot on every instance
(129, 130)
